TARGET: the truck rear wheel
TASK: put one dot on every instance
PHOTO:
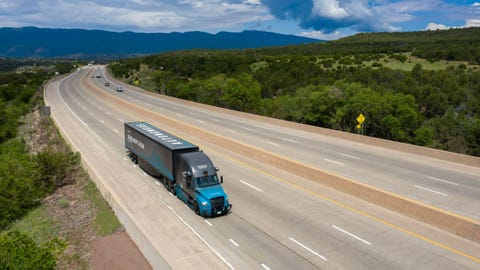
(173, 189)
(166, 183)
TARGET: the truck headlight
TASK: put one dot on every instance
(204, 203)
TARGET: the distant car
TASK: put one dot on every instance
(119, 89)
(107, 84)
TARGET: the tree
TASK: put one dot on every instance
(424, 136)
(212, 90)
(242, 93)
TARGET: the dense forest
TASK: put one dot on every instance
(421, 88)
(26, 178)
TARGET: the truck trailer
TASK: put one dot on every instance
(183, 169)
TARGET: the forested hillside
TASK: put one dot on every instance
(421, 88)
(454, 44)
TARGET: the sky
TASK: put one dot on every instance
(321, 19)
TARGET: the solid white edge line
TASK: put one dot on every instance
(431, 190)
(443, 181)
(307, 248)
(352, 235)
(265, 266)
(76, 116)
(250, 185)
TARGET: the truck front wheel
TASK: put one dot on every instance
(196, 208)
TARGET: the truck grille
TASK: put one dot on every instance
(217, 203)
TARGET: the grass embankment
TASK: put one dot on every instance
(75, 214)
(105, 221)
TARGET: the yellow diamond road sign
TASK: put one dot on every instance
(360, 119)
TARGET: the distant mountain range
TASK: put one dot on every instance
(28, 42)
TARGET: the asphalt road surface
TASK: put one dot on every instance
(278, 220)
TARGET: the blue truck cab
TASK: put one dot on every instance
(198, 185)
(183, 169)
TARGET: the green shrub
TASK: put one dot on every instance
(19, 251)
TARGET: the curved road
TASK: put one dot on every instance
(279, 220)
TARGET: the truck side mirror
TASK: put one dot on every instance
(188, 178)
(221, 179)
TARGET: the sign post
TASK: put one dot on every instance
(360, 120)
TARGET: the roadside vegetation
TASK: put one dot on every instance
(47, 202)
(420, 88)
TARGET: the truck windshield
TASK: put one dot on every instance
(205, 181)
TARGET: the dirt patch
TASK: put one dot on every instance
(117, 251)
(74, 217)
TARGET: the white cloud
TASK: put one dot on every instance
(139, 2)
(329, 9)
(468, 23)
(252, 2)
(472, 23)
(476, 4)
(436, 26)
(321, 35)
(133, 15)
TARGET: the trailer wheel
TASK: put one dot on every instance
(134, 158)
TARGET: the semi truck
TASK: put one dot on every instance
(184, 170)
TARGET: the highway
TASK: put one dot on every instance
(279, 220)
(447, 185)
